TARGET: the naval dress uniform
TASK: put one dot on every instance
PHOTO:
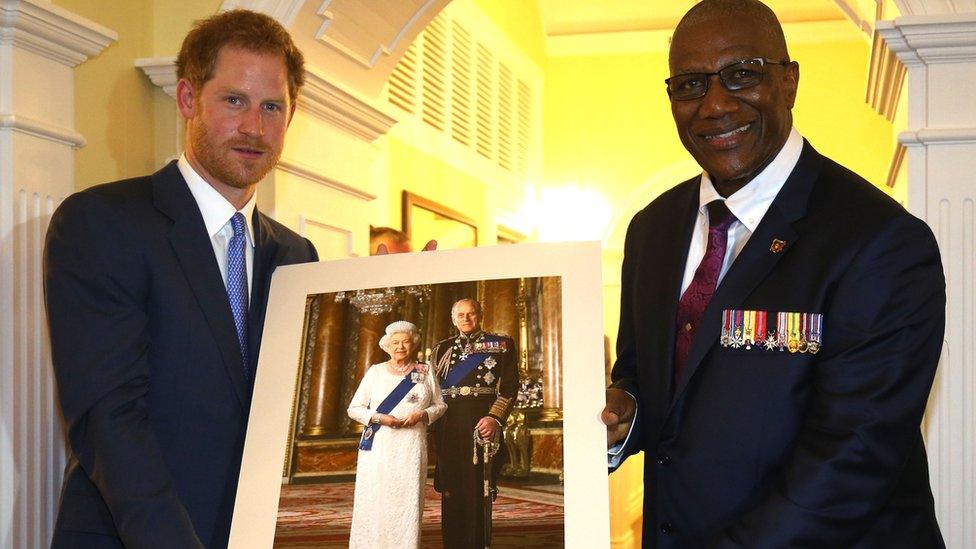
(488, 389)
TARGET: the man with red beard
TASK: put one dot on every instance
(156, 290)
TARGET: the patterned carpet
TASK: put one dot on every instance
(319, 515)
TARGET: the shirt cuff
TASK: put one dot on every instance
(615, 454)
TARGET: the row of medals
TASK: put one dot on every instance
(796, 332)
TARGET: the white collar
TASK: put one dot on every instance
(216, 210)
(749, 204)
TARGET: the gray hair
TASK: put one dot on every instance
(477, 305)
(399, 327)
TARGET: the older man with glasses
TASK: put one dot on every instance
(781, 322)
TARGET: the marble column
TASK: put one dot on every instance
(501, 307)
(936, 41)
(325, 383)
(371, 329)
(552, 344)
(40, 44)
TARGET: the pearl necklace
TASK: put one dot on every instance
(402, 369)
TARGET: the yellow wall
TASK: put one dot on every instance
(413, 170)
(831, 111)
(116, 104)
(607, 123)
(172, 19)
(520, 21)
(613, 131)
(113, 102)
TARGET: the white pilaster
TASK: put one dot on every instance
(939, 52)
(39, 45)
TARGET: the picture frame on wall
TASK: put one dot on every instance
(425, 219)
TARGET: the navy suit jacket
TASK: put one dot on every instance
(771, 449)
(153, 392)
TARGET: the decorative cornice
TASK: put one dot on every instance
(283, 11)
(311, 174)
(343, 108)
(852, 9)
(940, 136)
(930, 7)
(886, 77)
(161, 71)
(366, 31)
(929, 39)
(318, 97)
(30, 126)
(52, 31)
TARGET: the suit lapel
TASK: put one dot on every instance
(195, 254)
(267, 253)
(756, 259)
(658, 292)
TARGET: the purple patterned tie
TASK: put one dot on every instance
(693, 302)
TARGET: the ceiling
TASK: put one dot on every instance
(560, 17)
(585, 26)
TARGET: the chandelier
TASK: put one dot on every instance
(380, 301)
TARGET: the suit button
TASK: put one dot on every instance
(664, 460)
(688, 327)
(666, 528)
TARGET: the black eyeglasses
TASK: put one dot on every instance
(736, 76)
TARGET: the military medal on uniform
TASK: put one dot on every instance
(465, 351)
(726, 338)
(803, 333)
(761, 330)
(781, 330)
(748, 326)
(793, 342)
(489, 363)
(816, 323)
(737, 338)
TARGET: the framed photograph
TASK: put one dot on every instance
(509, 334)
(425, 219)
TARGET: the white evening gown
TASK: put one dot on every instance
(389, 500)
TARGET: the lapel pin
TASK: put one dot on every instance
(777, 246)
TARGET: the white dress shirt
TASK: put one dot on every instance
(748, 204)
(217, 211)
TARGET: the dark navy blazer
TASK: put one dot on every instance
(775, 449)
(148, 366)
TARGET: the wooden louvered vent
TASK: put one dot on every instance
(460, 85)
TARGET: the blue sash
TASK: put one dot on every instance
(462, 369)
(385, 407)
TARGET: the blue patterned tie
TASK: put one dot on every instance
(237, 284)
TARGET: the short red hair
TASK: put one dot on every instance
(248, 30)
